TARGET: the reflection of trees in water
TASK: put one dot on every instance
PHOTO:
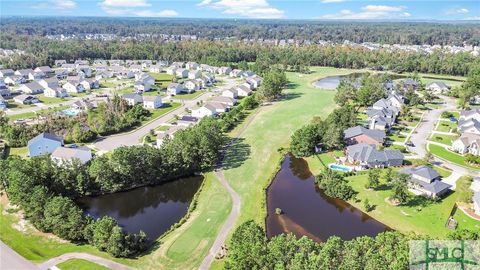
(298, 166)
(132, 202)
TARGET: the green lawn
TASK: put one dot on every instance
(465, 222)
(162, 79)
(79, 264)
(18, 151)
(446, 126)
(107, 83)
(449, 156)
(450, 83)
(441, 138)
(21, 116)
(318, 162)
(397, 137)
(12, 105)
(162, 128)
(419, 215)
(442, 171)
(189, 96)
(167, 107)
(49, 100)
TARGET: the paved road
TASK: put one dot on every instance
(111, 142)
(236, 204)
(419, 139)
(11, 260)
(67, 256)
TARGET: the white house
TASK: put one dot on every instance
(467, 143)
(243, 91)
(132, 99)
(225, 100)
(14, 80)
(32, 88)
(44, 69)
(254, 81)
(136, 68)
(191, 86)
(172, 70)
(56, 92)
(204, 111)
(51, 82)
(6, 72)
(91, 83)
(437, 87)
(85, 70)
(231, 93)
(73, 87)
(224, 71)
(155, 68)
(3, 104)
(174, 89)
(194, 74)
(236, 73)
(23, 72)
(181, 73)
(26, 99)
(152, 102)
(191, 65)
(65, 155)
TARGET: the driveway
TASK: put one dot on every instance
(11, 260)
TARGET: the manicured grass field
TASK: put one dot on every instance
(159, 112)
(107, 83)
(50, 100)
(189, 96)
(397, 137)
(442, 171)
(79, 264)
(466, 222)
(441, 138)
(419, 215)
(17, 151)
(450, 156)
(162, 79)
(446, 126)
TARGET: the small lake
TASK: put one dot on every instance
(152, 209)
(332, 82)
(308, 211)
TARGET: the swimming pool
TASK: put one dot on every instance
(341, 168)
(70, 112)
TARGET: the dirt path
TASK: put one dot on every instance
(236, 202)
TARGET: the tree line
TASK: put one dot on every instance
(380, 32)
(251, 249)
(43, 51)
(47, 192)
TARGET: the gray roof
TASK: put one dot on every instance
(368, 153)
(130, 96)
(48, 136)
(382, 103)
(442, 85)
(33, 85)
(378, 135)
(422, 171)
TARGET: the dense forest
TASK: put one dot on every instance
(42, 51)
(380, 32)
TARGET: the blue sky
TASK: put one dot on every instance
(285, 9)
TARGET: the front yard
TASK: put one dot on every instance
(441, 138)
(445, 154)
(446, 126)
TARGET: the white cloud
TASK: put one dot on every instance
(56, 4)
(454, 11)
(370, 12)
(149, 13)
(204, 3)
(124, 3)
(331, 1)
(245, 8)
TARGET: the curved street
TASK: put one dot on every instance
(75, 255)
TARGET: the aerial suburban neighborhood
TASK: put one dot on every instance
(240, 135)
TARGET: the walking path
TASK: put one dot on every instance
(236, 203)
(75, 255)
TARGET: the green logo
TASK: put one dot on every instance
(438, 254)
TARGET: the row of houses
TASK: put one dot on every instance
(148, 102)
(469, 128)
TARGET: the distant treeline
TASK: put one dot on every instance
(43, 51)
(380, 32)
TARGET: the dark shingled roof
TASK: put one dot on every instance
(378, 135)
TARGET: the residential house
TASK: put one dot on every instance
(210, 109)
(224, 70)
(31, 88)
(146, 63)
(155, 68)
(178, 64)
(426, 181)
(236, 73)
(230, 102)
(243, 91)
(191, 65)
(44, 143)
(169, 134)
(172, 70)
(136, 68)
(467, 143)
(152, 102)
(69, 67)
(44, 69)
(67, 155)
(14, 80)
(181, 73)
(100, 68)
(51, 82)
(174, 89)
(26, 99)
(231, 93)
(73, 87)
(476, 202)
(24, 73)
(61, 74)
(247, 74)
(80, 62)
(209, 79)
(367, 156)
(85, 69)
(194, 74)
(191, 86)
(99, 62)
(55, 92)
(410, 84)
(187, 120)
(359, 134)
(84, 105)
(6, 72)
(254, 81)
(3, 104)
(132, 99)
(90, 83)
(4, 91)
(437, 87)
(115, 62)
(59, 63)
